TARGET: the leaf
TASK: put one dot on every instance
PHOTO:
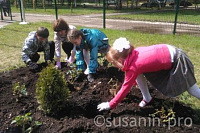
(38, 123)
(14, 121)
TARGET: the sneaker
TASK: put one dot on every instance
(144, 103)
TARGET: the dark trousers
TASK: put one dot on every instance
(67, 47)
(6, 11)
(36, 56)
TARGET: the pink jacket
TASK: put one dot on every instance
(140, 60)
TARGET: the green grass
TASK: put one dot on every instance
(13, 36)
(144, 14)
(184, 16)
(63, 10)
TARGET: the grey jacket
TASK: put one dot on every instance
(32, 45)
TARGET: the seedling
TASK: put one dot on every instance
(102, 61)
(73, 73)
(166, 112)
(165, 115)
(26, 122)
(19, 90)
(114, 86)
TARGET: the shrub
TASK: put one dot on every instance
(73, 73)
(19, 90)
(52, 91)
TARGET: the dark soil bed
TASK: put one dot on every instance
(81, 114)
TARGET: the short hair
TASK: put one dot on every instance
(60, 24)
(43, 32)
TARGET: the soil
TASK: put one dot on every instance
(81, 114)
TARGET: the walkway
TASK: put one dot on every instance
(96, 21)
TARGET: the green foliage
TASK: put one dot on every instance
(52, 91)
(19, 90)
(166, 112)
(26, 122)
(102, 61)
(72, 73)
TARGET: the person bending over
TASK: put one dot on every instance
(89, 43)
(166, 67)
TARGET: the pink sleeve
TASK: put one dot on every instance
(130, 78)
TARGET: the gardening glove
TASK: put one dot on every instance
(70, 60)
(90, 77)
(32, 65)
(103, 106)
(86, 72)
(58, 64)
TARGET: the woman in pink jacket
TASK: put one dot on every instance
(166, 67)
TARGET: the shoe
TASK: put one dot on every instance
(144, 103)
(90, 77)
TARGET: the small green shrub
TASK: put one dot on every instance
(19, 90)
(166, 112)
(72, 73)
(26, 122)
(52, 91)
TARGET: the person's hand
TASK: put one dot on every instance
(90, 77)
(86, 72)
(32, 65)
(58, 64)
(70, 60)
(103, 106)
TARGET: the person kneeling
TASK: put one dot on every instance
(37, 41)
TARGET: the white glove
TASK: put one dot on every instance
(103, 106)
(86, 72)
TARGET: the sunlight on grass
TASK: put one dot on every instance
(191, 17)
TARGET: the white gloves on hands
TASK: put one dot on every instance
(103, 106)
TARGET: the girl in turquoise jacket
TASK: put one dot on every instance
(89, 42)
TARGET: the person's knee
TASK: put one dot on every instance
(35, 57)
(52, 44)
(67, 47)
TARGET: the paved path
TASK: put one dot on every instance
(96, 21)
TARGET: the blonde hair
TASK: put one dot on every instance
(114, 56)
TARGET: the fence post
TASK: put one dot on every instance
(1, 12)
(10, 13)
(20, 9)
(56, 10)
(104, 14)
(176, 16)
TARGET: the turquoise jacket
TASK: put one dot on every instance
(96, 42)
